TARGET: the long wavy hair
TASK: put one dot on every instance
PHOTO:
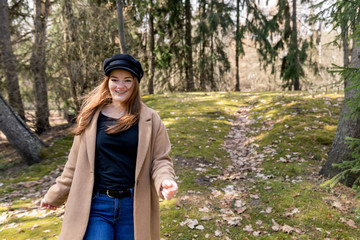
(100, 97)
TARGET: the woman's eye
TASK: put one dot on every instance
(113, 80)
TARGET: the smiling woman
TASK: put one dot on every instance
(119, 163)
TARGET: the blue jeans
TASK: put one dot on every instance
(110, 218)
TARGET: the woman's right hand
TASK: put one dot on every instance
(44, 204)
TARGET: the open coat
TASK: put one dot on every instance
(153, 165)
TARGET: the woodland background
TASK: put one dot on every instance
(218, 52)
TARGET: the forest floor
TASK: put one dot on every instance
(247, 166)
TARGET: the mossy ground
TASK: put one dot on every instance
(301, 125)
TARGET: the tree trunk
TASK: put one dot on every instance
(72, 57)
(151, 48)
(347, 127)
(346, 48)
(203, 79)
(212, 59)
(190, 86)
(119, 5)
(237, 84)
(296, 81)
(38, 65)
(26, 143)
(9, 61)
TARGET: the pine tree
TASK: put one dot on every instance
(38, 65)
(277, 35)
(345, 15)
(214, 23)
(190, 85)
(9, 61)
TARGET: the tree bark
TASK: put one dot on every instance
(38, 65)
(190, 86)
(26, 143)
(347, 127)
(9, 61)
(237, 84)
(72, 57)
(119, 5)
(203, 80)
(296, 81)
(346, 48)
(212, 71)
(151, 48)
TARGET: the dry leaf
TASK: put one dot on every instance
(200, 227)
(206, 218)
(290, 214)
(191, 223)
(248, 228)
(239, 203)
(254, 196)
(268, 210)
(34, 226)
(241, 210)
(204, 209)
(218, 233)
(276, 227)
(349, 222)
(287, 229)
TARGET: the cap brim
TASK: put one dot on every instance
(108, 71)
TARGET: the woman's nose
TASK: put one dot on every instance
(120, 84)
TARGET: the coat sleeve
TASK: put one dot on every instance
(162, 166)
(58, 193)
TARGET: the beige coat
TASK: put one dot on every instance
(75, 184)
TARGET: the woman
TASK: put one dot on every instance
(118, 165)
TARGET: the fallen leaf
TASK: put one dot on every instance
(218, 233)
(349, 222)
(206, 218)
(276, 227)
(34, 226)
(191, 223)
(268, 210)
(248, 228)
(239, 203)
(292, 213)
(254, 196)
(200, 227)
(287, 229)
(241, 210)
(204, 209)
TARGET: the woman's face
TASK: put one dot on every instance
(121, 84)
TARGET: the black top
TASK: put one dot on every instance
(115, 156)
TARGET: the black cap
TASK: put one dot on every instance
(123, 61)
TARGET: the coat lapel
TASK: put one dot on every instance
(145, 123)
(91, 140)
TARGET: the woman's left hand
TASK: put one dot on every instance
(168, 189)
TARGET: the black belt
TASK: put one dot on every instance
(116, 194)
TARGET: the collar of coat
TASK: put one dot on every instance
(145, 123)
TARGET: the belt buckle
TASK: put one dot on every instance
(107, 193)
